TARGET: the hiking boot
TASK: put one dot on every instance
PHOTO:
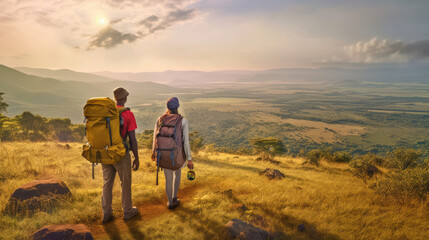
(171, 207)
(176, 202)
(107, 218)
(131, 214)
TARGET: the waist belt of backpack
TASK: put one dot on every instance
(158, 153)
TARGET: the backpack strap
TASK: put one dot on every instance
(121, 122)
(123, 109)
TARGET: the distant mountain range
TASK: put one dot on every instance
(49, 96)
(44, 90)
(224, 79)
(64, 75)
(392, 74)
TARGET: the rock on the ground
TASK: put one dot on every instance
(63, 232)
(272, 173)
(37, 195)
(244, 231)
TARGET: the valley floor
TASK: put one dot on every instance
(328, 200)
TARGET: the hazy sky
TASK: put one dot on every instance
(158, 35)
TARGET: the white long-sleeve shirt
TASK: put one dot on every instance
(185, 134)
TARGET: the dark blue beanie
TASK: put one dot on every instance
(173, 103)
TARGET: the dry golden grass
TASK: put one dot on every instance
(329, 200)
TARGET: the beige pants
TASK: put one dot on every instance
(172, 183)
(123, 168)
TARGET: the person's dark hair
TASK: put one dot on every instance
(172, 111)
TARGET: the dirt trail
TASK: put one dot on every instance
(147, 211)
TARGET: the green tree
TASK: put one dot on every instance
(268, 147)
(78, 132)
(31, 126)
(196, 142)
(61, 129)
(3, 104)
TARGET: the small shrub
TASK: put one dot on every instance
(146, 139)
(316, 155)
(341, 157)
(365, 166)
(402, 158)
(196, 141)
(406, 185)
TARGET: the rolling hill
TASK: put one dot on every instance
(55, 98)
(65, 75)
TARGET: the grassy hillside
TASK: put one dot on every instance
(329, 200)
(54, 98)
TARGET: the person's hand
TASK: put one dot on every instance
(190, 164)
(153, 156)
(136, 164)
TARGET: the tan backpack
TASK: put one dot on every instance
(102, 129)
(169, 151)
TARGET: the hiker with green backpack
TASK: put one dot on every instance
(171, 149)
(108, 126)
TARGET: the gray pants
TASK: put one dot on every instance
(172, 183)
(123, 168)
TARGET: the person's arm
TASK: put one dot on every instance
(153, 142)
(133, 146)
(186, 145)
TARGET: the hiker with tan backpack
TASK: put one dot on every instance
(171, 149)
(108, 125)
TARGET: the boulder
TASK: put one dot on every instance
(244, 231)
(272, 173)
(37, 195)
(63, 232)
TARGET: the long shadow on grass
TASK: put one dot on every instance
(112, 230)
(133, 227)
(227, 165)
(289, 222)
(325, 169)
(233, 166)
(201, 223)
(283, 221)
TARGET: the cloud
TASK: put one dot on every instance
(416, 50)
(109, 37)
(149, 21)
(78, 22)
(173, 17)
(377, 50)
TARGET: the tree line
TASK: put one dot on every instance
(30, 127)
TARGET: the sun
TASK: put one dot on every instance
(102, 21)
